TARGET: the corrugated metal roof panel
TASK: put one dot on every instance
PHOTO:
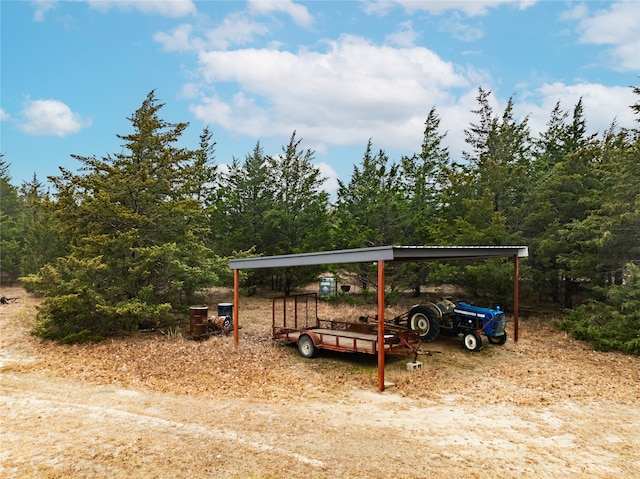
(380, 253)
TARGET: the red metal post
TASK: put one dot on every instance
(381, 325)
(236, 305)
(516, 297)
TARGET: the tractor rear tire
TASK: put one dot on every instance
(306, 347)
(425, 322)
(472, 341)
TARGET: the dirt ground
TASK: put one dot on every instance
(158, 405)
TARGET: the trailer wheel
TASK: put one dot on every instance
(423, 320)
(306, 347)
(500, 340)
(472, 341)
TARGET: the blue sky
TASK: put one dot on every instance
(336, 72)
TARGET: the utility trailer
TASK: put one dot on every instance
(295, 319)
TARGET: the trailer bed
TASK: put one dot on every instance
(296, 316)
(350, 341)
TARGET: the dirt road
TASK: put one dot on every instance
(157, 407)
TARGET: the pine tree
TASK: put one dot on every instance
(238, 221)
(485, 197)
(564, 178)
(371, 210)
(137, 236)
(424, 177)
(298, 220)
(44, 242)
(608, 237)
(11, 227)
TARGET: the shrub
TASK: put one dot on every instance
(612, 324)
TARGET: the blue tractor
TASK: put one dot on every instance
(462, 319)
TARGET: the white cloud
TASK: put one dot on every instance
(602, 105)
(470, 8)
(50, 118)
(4, 116)
(298, 13)
(343, 96)
(331, 183)
(167, 8)
(354, 90)
(379, 8)
(618, 28)
(41, 8)
(453, 24)
(178, 40)
(405, 36)
(236, 29)
(459, 29)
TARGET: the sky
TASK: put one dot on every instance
(338, 73)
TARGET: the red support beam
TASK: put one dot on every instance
(516, 298)
(236, 305)
(381, 325)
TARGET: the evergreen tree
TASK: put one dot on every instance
(44, 242)
(565, 178)
(425, 177)
(608, 237)
(244, 197)
(136, 234)
(485, 197)
(605, 246)
(205, 171)
(298, 220)
(11, 226)
(501, 161)
(371, 211)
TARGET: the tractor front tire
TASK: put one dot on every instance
(425, 322)
(472, 341)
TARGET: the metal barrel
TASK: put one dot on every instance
(197, 315)
(225, 309)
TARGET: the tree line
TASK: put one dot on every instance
(132, 237)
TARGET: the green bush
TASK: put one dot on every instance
(612, 324)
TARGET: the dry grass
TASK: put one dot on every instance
(160, 405)
(544, 365)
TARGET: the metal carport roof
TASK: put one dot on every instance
(380, 255)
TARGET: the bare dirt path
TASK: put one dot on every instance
(158, 407)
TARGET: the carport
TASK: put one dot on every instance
(381, 255)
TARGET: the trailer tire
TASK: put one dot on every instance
(306, 347)
(472, 341)
(499, 340)
(425, 322)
